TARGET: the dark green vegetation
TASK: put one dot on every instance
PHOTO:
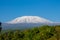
(38, 33)
(0, 27)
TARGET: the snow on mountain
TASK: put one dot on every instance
(25, 22)
(29, 19)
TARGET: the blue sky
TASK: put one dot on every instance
(10, 9)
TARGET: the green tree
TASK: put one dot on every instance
(57, 31)
(0, 27)
(37, 33)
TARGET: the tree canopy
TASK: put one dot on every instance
(37, 33)
(0, 27)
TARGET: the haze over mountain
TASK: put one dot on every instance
(26, 22)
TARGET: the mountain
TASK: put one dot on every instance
(25, 22)
(29, 19)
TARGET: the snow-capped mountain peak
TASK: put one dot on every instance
(30, 19)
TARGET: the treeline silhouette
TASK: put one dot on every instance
(0, 26)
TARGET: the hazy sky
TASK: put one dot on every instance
(10, 9)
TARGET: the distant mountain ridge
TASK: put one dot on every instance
(27, 22)
(30, 19)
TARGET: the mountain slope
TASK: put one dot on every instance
(29, 19)
(26, 22)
